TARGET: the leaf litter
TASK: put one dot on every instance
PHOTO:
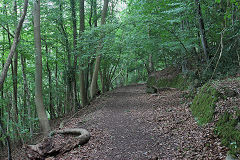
(128, 123)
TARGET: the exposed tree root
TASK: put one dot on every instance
(50, 146)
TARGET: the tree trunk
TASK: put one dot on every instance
(74, 21)
(202, 31)
(83, 88)
(51, 106)
(14, 80)
(95, 18)
(59, 109)
(7, 140)
(149, 66)
(69, 93)
(26, 94)
(2, 94)
(91, 14)
(14, 46)
(104, 79)
(93, 88)
(44, 123)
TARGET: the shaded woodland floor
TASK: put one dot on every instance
(128, 123)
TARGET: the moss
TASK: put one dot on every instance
(226, 130)
(151, 81)
(151, 90)
(177, 82)
(203, 104)
(226, 127)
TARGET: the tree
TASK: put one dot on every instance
(82, 77)
(14, 45)
(74, 23)
(202, 31)
(93, 88)
(44, 123)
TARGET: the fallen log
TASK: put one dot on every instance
(58, 143)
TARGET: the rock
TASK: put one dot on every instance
(151, 90)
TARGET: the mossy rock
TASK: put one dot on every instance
(177, 82)
(151, 90)
(151, 81)
(229, 134)
(227, 125)
(203, 104)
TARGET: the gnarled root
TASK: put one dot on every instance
(55, 146)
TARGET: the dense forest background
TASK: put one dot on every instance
(69, 51)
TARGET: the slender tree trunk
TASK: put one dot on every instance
(102, 80)
(150, 64)
(95, 17)
(91, 63)
(2, 94)
(83, 88)
(14, 45)
(14, 102)
(93, 89)
(59, 109)
(91, 14)
(14, 79)
(44, 123)
(51, 106)
(26, 94)
(69, 91)
(3, 62)
(202, 31)
(103, 75)
(7, 140)
(74, 21)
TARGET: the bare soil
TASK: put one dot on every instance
(129, 124)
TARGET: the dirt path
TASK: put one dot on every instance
(131, 124)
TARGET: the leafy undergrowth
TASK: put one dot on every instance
(218, 103)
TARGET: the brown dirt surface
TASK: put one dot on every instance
(129, 124)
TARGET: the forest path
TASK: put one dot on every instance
(132, 125)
